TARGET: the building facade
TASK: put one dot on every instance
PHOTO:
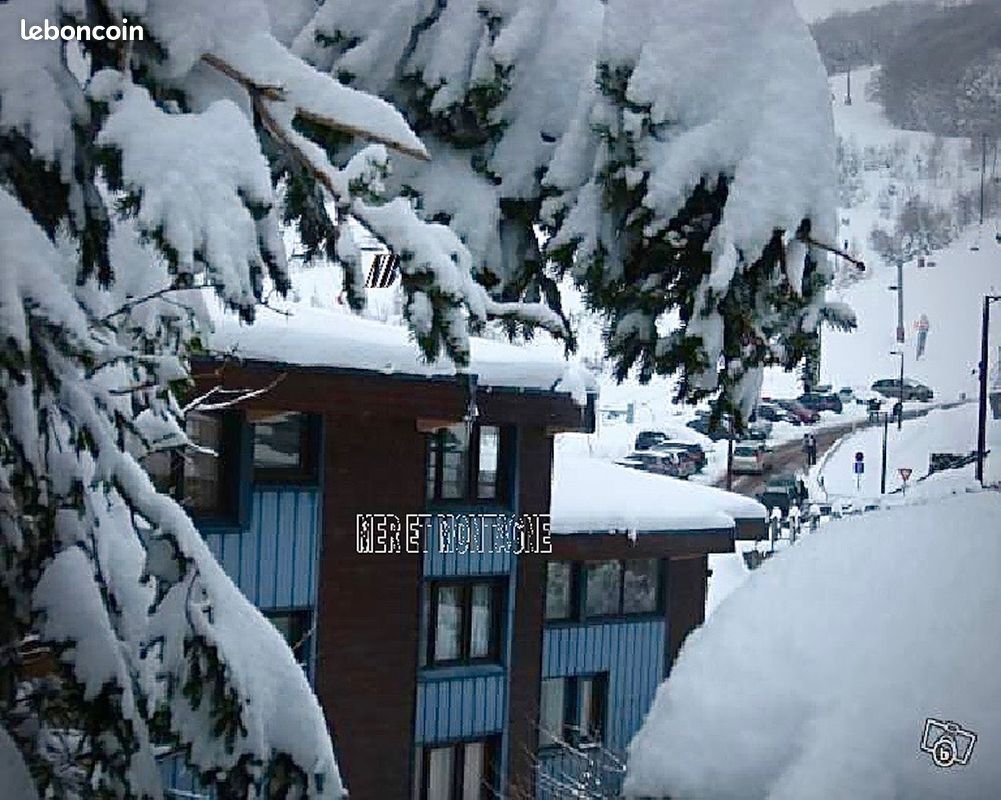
(446, 672)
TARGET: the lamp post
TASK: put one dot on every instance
(882, 477)
(900, 395)
(982, 407)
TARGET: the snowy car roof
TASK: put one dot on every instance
(591, 495)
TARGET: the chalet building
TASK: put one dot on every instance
(445, 672)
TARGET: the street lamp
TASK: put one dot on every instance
(982, 408)
(900, 416)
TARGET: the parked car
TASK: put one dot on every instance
(672, 464)
(645, 440)
(846, 393)
(821, 402)
(695, 452)
(788, 482)
(758, 430)
(749, 459)
(701, 425)
(806, 416)
(777, 497)
(913, 390)
(770, 412)
(676, 461)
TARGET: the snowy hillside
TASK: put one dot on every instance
(948, 293)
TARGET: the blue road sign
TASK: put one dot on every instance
(859, 467)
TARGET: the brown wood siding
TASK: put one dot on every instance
(597, 546)
(368, 605)
(534, 482)
(686, 600)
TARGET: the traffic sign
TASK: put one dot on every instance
(905, 473)
(859, 465)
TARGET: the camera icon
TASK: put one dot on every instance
(948, 743)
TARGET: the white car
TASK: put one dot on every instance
(749, 459)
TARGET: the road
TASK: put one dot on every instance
(789, 456)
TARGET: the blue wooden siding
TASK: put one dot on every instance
(492, 558)
(633, 655)
(274, 560)
(461, 707)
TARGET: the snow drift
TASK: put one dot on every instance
(815, 678)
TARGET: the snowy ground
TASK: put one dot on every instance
(815, 679)
(941, 431)
(949, 293)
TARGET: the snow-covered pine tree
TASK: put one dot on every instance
(678, 158)
(140, 180)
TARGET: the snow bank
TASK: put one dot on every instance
(591, 495)
(814, 679)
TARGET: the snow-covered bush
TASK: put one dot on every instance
(814, 679)
(139, 180)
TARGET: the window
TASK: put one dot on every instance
(597, 589)
(640, 586)
(464, 622)
(573, 710)
(466, 465)
(604, 588)
(457, 771)
(295, 626)
(284, 446)
(559, 590)
(202, 477)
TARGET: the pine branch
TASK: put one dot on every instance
(277, 93)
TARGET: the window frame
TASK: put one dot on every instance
(491, 751)
(571, 735)
(307, 472)
(433, 484)
(304, 617)
(230, 469)
(497, 586)
(578, 593)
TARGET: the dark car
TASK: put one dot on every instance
(701, 425)
(890, 387)
(645, 440)
(821, 402)
(770, 412)
(777, 497)
(695, 452)
(806, 416)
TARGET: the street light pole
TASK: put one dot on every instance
(900, 301)
(882, 479)
(982, 404)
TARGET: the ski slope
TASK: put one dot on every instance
(949, 293)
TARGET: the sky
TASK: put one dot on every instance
(818, 9)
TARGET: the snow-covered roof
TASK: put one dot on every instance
(591, 495)
(325, 336)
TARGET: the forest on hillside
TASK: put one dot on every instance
(940, 64)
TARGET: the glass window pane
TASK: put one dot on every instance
(603, 588)
(439, 781)
(202, 484)
(474, 770)
(432, 466)
(591, 706)
(482, 633)
(552, 707)
(640, 586)
(489, 462)
(558, 605)
(278, 441)
(448, 630)
(455, 459)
